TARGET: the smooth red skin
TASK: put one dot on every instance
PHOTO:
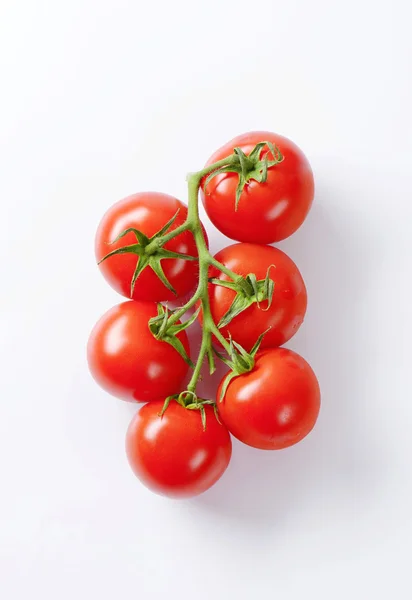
(172, 455)
(127, 361)
(275, 405)
(148, 212)
(288, 308)
(267, 212)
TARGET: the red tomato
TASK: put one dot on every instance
(172, 455)
(148, 212)
(275, 405)
(267, 212)
(127, 361)
(289, 301)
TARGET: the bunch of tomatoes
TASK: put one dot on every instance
(249, 298)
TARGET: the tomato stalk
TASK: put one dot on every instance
(206, 260)
(236, 162)
(201, 293)
(150, 251)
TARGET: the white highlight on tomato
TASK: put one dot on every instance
(151, 431)
(277, 210)
(248, 390)
(154, 369)
(177, 267)
(276, 318)
(198, 459)
(116, 336)
(285, 415)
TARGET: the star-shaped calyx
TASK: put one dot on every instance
(150, 253)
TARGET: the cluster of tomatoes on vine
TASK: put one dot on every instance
(249, 298)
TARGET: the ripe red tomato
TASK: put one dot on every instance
(148, 212)
(287, 311)
(267, 212)
(127, 361)
(172, 455)
(275, 405)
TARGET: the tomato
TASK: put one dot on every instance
(173, 455)
(285, 314)
(148, 212)
(274, 405)
(127, 360)
(267, 212)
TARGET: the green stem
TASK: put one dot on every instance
(219, 336)
(192, 223)
(206, 341)
(178, 314)
(224, 162)
(169, 236)
(205, 261)
(215, 263)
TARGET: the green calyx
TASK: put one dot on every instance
(150, 253)
(239, 361)
(165, 330)
(190, 401)
(249, 291)
(249, 167)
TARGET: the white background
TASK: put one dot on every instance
(100, 99)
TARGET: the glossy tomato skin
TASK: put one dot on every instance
(172, 455)
(127, 361)
(275, 405)
(267, 212)
(288, 308)
(148, 212)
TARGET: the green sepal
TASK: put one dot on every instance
(249, 167)
(216, 411)
(130, 249)
(239, 304)
(185, 324)
(140, 236)
(240, 361)
(166, 226)
(179, 347)
(163, 331)
(163, 253)
(166, 405)
(258, 342)
(231, 375)
(154, 263)
(190, 401)
(231, 285)
(222, 357)
(199, 404)
(141, 264)
(248, 291)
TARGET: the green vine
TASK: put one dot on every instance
(166, 325)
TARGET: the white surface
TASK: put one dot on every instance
(102, 99)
